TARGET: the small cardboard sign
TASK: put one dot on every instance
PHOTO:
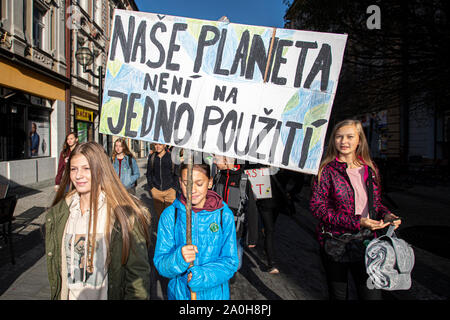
(260, 181)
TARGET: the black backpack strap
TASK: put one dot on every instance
(130, 163)
(243, 193)
(216, 186)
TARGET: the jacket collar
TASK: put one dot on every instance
(342, 167)
(338, 165)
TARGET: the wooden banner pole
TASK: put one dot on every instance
(189, 157)
(270, 54)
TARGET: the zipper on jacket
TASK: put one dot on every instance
(351, 186)
(160, 173)
(196, 231)
(226, 191)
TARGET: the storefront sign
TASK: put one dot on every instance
(253, 93)
(84, 115)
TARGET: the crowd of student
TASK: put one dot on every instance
(97, 230)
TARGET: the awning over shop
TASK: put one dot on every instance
(19, 77)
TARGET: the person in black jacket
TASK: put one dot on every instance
(162, 180)
(232, 184)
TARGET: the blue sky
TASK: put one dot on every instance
(268, 13)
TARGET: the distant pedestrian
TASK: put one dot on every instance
(213, 250)
(96, 234)
(345, 191)
(125, 165)
(69, 144)
(231, 183)
(34, 140)
(162, 180)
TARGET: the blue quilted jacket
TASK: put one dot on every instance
(128, 174)
(214, 235)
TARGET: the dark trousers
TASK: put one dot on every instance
(337, 279)
(269, 216)
(251, 229)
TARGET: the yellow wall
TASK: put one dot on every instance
(18, 77)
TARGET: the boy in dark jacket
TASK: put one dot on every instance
(161, 178)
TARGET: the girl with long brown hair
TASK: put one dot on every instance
(70, 143)
(346, 199)
(97, 234)
(125, 165)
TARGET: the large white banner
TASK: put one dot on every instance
(200, 85)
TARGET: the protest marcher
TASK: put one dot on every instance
(346, 199)
(125, 165)
(69, 144)
(96, 234)
(268, 209)
(161, 178)
(231, 183)
(213, 250)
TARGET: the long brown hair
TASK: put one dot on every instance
(362, 151)
(126, 150)
(121, 206)
(65, 149)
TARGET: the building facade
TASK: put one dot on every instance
(91, 23)
(33, 85)
(44, 92)
(393, 78)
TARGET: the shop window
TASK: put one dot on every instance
(84, 124)
(24, 128)
(85, 131)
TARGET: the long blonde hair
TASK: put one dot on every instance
(121, 206)
(362, 151)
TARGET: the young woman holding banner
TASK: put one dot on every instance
(347, 201)
(213, 251)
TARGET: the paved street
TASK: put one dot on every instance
(301, 277)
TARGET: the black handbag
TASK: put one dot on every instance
(349, 247)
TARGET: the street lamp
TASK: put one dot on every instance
(85, 57)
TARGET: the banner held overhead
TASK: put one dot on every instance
(248, 92)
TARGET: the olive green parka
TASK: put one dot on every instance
(128, 281)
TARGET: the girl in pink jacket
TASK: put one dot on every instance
(346, 199)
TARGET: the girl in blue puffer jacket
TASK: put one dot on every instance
(213, 250)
